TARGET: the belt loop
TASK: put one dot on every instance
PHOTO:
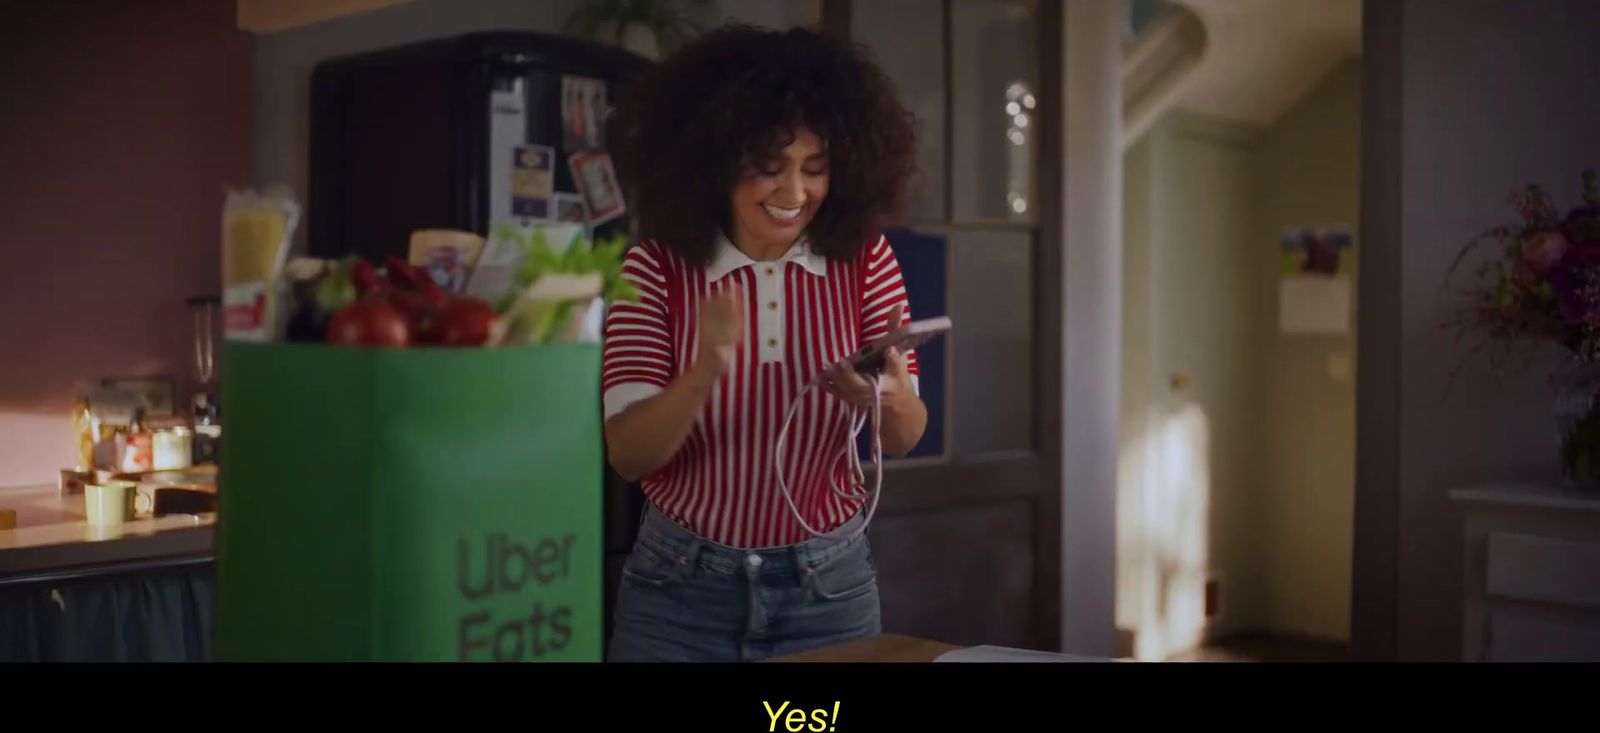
(691, 558)
(801, 555)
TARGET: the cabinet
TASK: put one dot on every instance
(155, 611)
(1532, 565)
(140, 591)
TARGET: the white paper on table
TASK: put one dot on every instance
(990, 653)
(1314, 305)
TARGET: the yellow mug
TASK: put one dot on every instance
(110, 502)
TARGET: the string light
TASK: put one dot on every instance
(1018, 101)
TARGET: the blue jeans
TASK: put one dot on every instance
(686, 599)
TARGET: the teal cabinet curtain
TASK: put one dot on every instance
(158, 616)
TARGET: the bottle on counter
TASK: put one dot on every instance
(207, 438)
(85, 433)
(138, 453)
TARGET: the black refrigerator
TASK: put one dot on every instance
(430, 135)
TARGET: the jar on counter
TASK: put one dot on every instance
(171, 448)
(136, 453)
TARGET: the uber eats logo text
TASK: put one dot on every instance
(500, 565)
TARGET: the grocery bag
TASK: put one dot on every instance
(426, 504)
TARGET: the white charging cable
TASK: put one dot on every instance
(850, 455)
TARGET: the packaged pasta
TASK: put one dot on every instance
(257, 229)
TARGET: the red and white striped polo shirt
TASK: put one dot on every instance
(803, 314)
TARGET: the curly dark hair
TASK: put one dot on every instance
(736, 96)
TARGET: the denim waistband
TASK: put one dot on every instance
(666, 536)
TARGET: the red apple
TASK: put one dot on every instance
(369, 323)
(464, 322)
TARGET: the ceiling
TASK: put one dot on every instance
(1263, 55)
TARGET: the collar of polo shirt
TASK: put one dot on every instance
(769, 288)
(729, 258)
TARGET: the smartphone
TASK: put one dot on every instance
(870, 359)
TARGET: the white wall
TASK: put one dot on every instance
(1243, 470)
(1492, 95)
(1307, 173)
(1189, 503)
(1091, 303)
(1139, 383)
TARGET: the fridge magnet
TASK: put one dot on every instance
(598, 181)
(569, 209)
(583, 113)
(533, 181)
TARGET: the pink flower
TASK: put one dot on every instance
(1543, 250)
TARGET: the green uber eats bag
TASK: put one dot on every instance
(410, 505)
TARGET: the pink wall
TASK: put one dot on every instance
(123, 124)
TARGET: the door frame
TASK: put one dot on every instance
(927, 485)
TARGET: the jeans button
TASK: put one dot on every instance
(753, 561)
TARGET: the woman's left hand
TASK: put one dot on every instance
(904, 415)
(844, 382)
(894, 382)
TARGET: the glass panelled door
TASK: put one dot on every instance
(969, 542)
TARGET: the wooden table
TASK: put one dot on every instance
(881, 648)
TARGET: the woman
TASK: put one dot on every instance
(765, 165)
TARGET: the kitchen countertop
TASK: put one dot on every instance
(52, 538)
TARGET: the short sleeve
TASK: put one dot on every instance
(637, 359)
(882, 289)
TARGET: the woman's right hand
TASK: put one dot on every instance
(645, 436)
(721, 329)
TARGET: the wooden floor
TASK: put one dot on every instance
(1267, 648)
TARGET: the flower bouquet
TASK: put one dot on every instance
(1542, 286)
